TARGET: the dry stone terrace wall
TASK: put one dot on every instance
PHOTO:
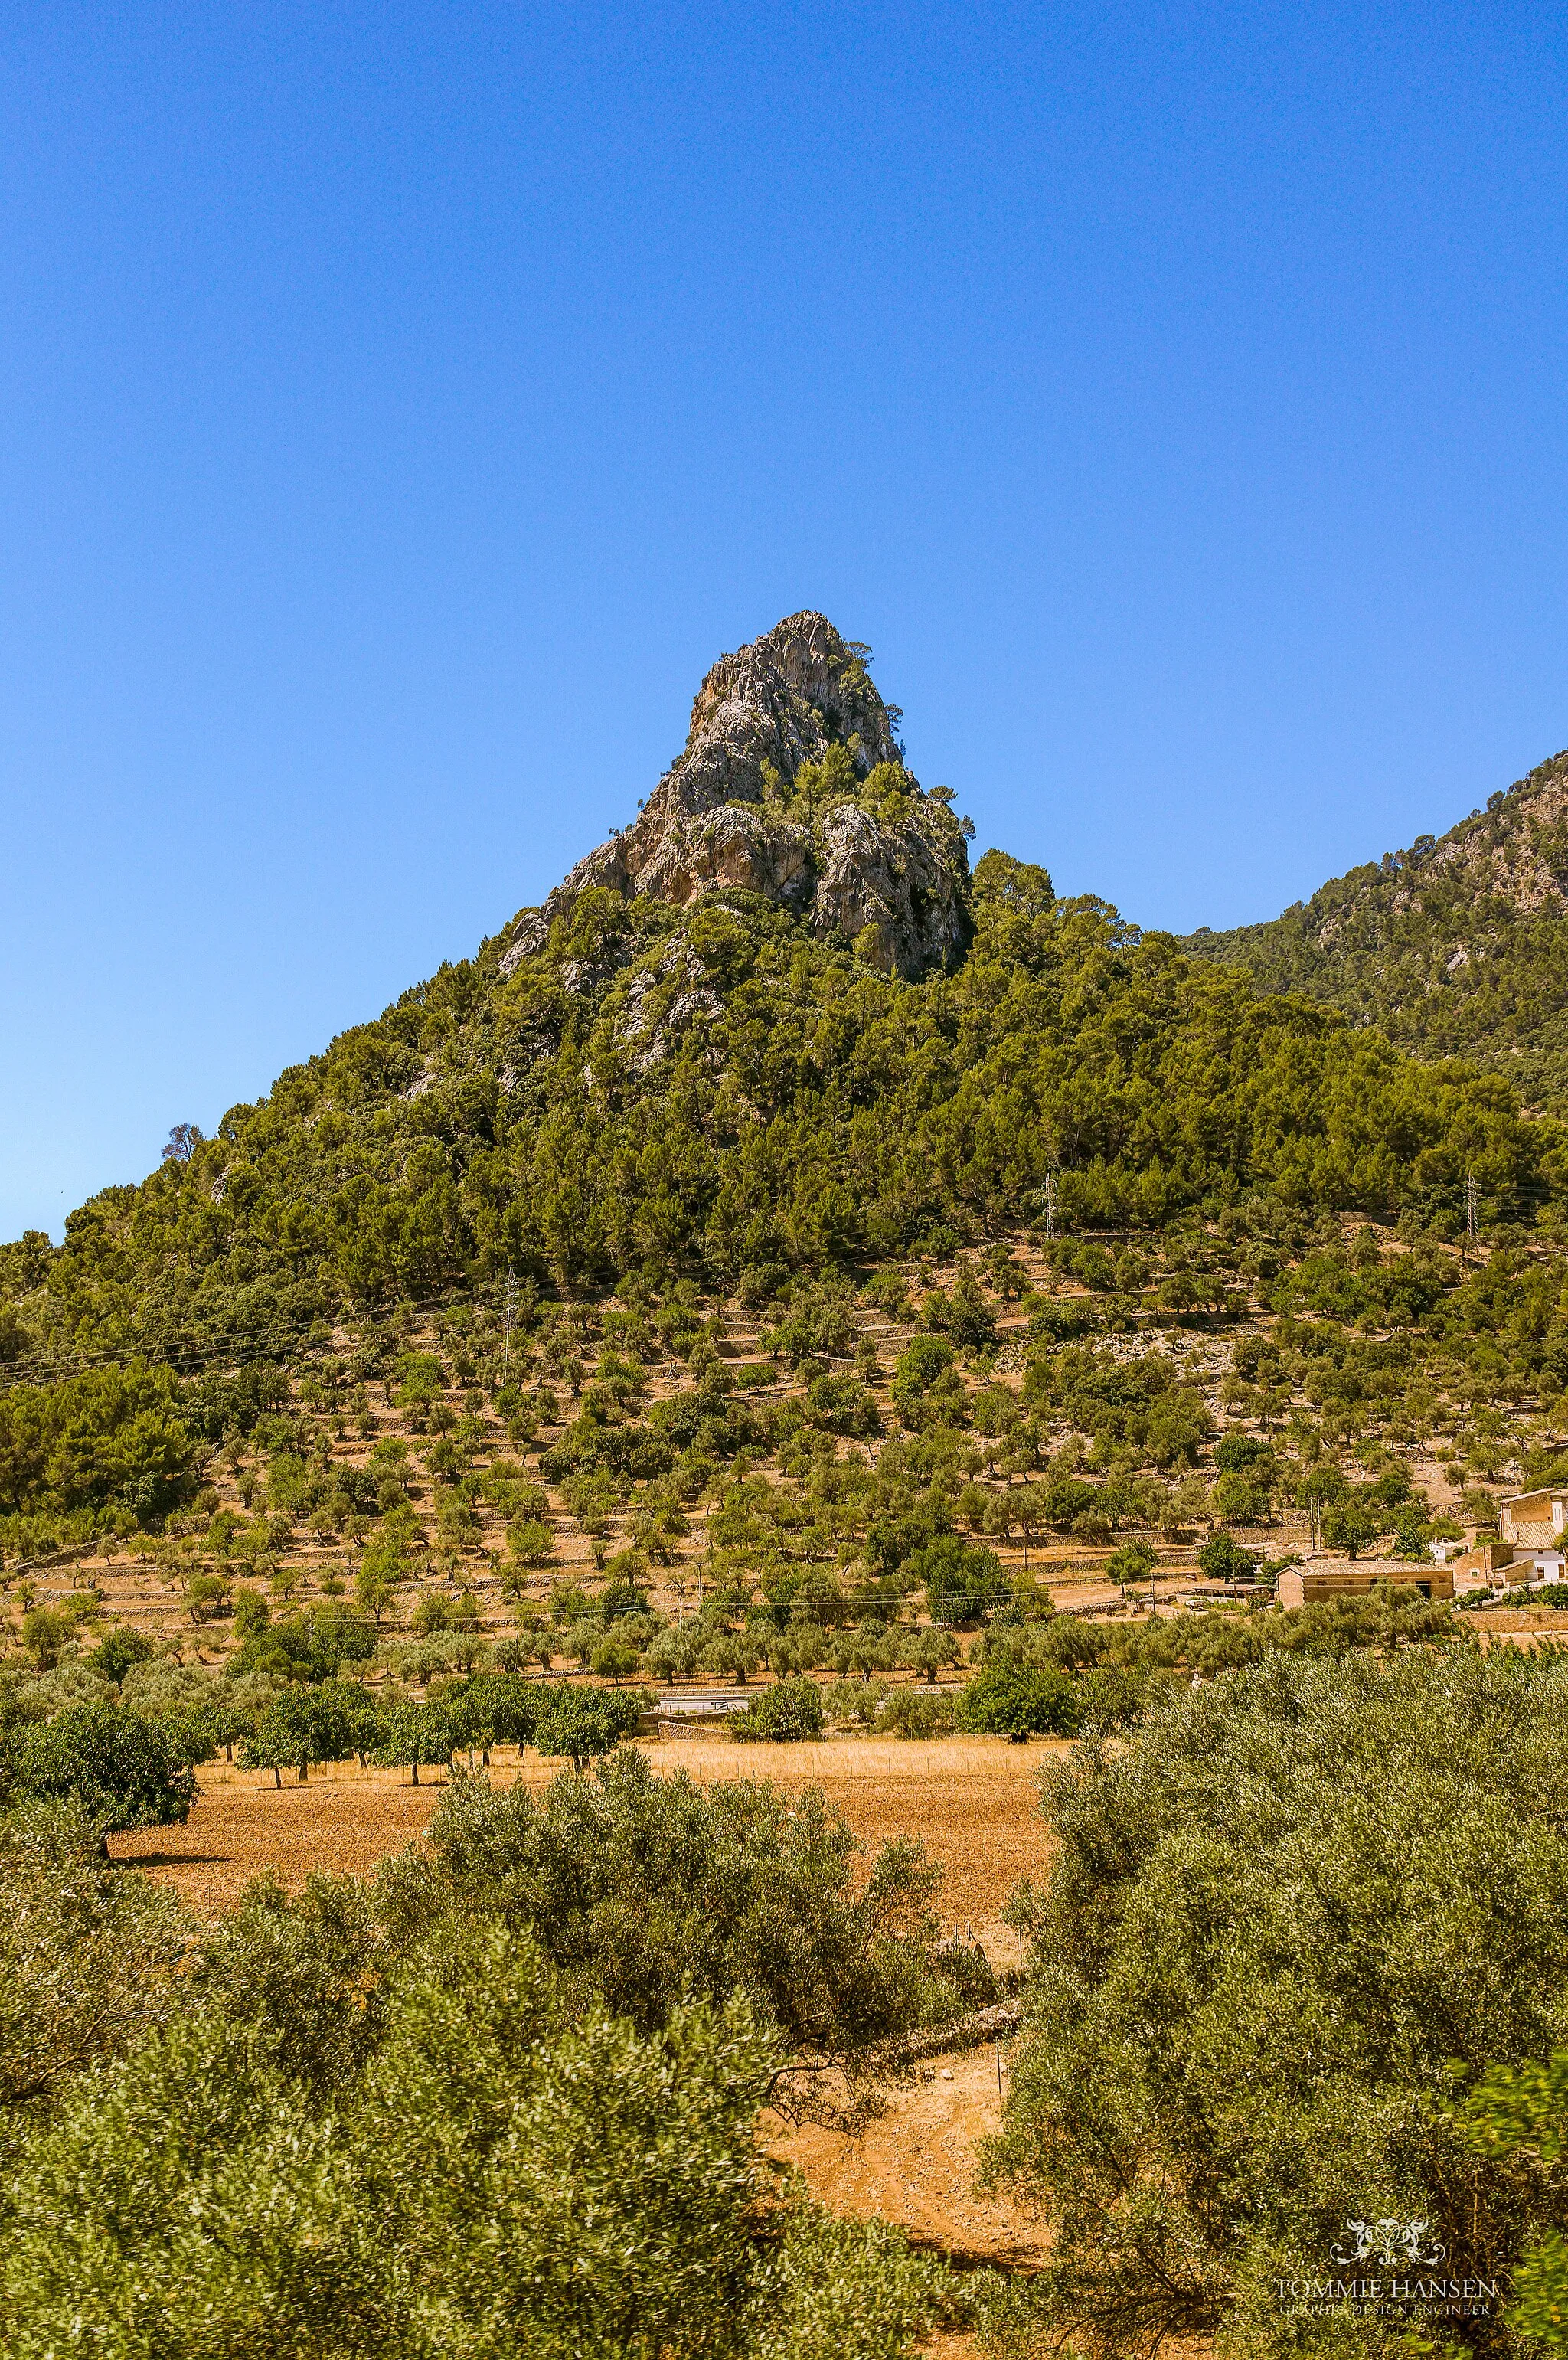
(336, 1423)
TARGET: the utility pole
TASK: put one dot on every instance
(511, 1314)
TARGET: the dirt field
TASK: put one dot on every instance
(971, 1801)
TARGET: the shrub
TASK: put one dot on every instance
(914, 1712)
(790, 1709)
(508, 2170)
(117, 1650)
(1280, 1922)
(645, 1888)
(88, 1955)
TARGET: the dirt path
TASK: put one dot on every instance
(916, 2163)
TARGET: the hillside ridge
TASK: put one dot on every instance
(1453, 947)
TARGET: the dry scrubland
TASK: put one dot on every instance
(971, 1801)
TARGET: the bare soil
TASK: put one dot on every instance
(971, 1801)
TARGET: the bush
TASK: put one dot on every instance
(914, 1712)
(645, 1888)
(117, 1650)
(790, 1709)
(88, 1955)
(509, 2171)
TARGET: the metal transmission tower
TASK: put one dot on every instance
(1471, 1202)
(1050, 1204)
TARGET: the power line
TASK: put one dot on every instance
(238, 1344)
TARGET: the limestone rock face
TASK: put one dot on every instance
(735, 812)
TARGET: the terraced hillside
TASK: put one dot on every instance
(781, 1247)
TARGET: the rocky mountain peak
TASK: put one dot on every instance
(792, 785)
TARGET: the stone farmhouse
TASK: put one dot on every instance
(1531, 1548)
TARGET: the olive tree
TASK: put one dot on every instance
(511, 2172)
(1285, 1923)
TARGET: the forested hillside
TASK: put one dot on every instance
(771, 1048)
(1455, 947)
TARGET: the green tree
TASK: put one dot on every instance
(508, 2170)
(790, 1711)
(1132, 1566)
(1518, 2116)
(962, 1582)
(583, 1723)
(1267, 1834)
(302, 1726)
(124, 1770)
(1006, 1698)
(117, 1650)
(1223, 1558)
(89, 1956)
(928, 1652)
(416, 1733)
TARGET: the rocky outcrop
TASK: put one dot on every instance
(761, 801)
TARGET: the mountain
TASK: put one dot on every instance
(773, 1024)
(1456, 947)
(792, 786)
(773, 1064)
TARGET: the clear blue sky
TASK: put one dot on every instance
(403, 405)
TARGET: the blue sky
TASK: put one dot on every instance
(401, 406)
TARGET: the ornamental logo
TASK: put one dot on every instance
(1389, 2268)
(1393, 2244)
